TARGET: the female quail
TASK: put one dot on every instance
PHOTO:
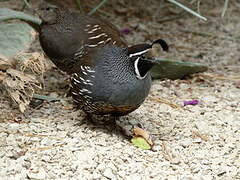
(107, 76)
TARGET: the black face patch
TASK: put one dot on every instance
(142, 66)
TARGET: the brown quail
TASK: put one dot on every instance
(107, 76)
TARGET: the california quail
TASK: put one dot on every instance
(107, 76)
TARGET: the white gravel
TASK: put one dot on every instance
(193, 142)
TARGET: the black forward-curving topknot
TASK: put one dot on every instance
(140, 49)
(162, 43)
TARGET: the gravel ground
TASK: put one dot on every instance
(191, 142)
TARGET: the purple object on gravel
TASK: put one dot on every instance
(125, 31)
(191, 102)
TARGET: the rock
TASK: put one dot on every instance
(41, 174)
(15, 38)
(202, 126)
(109, 174)
(175, 69)
(7, 14)
(186, 143)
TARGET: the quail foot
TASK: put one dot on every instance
(108, 77)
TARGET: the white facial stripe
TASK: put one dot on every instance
(136, 67)
(138, 53)
(137, 70)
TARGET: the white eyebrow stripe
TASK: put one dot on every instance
(138, 53)
(98, 36)
(93, 30)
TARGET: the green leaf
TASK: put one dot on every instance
(7, 14)
(140, 143)
(168, 69)
(15, 38)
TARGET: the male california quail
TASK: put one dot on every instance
(107, 76)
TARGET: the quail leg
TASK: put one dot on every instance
(126, 125)
(100, 119)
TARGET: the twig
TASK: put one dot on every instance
(46, 147)
(180, 15)
(97, 7)
(187, 9)
(105, 13)
(224, 8)
(202, 136)
(164, 101)
(214, 76)
(25, 4)
(206, 34)
(79, 5)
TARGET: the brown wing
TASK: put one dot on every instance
(95, 33)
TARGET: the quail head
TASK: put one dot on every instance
(107, 76)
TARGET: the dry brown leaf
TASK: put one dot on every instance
(160, 100)
(20, 87)
(143, 133)
(202, 136)
(215, 76)
(166, 152)
(237, 84)
(4, 63)
(2, 76)
(33, 61)
(168, 155)
(46, 148)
